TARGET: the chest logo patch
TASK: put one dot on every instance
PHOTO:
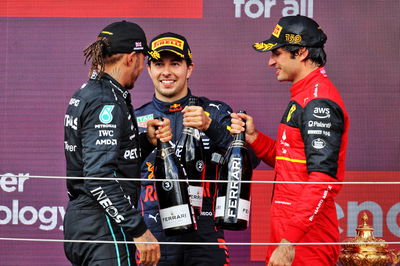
(105, 115)
(142, 120)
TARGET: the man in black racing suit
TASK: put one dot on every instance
(169, 67)
(102, 140)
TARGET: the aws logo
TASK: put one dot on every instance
(322, 112)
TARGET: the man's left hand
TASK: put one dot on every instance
(194, 116)
(283, 255)
(157, 129)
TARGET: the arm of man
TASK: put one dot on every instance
(262, 145)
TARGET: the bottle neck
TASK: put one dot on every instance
(162, 145)
(240, 136)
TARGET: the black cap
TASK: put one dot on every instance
(293, 30)
(124, 37)
(171, 42)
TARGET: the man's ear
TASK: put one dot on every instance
(302, 53)
(130, 58)
(190, 69)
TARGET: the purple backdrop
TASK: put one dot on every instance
(41, 65)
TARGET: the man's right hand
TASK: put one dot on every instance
(149, 253)
(237, 126)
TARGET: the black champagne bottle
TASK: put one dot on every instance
(176, 213)
(190, 151)
(232, 209)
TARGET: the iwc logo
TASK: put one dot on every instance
(167, 185)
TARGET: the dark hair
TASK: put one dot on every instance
(315, 54)
(99, 56)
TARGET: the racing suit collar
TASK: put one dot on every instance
(171, 107)
(115, 84)
(299, 86)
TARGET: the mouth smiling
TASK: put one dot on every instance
(167, 83)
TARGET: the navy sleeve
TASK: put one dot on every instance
(218, 131)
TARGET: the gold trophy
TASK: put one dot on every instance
(365, 254)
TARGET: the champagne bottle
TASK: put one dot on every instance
(176, 213)
(232, 210)
(190, 151)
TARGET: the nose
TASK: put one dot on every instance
(166, 70)
(271, 61)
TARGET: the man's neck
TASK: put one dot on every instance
(308, 68)
(170, 99)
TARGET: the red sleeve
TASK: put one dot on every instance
(307, 211)
(264, 148)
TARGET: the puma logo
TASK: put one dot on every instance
(215, 105)
(154, 217)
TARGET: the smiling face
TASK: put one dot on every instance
(287, 66)
(170, 77)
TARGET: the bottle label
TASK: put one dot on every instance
(220, 207)
(175, 216)
(196, 196)
(243, 209)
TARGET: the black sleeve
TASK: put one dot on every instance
(322, 126)
(102, 129)
(145, 146)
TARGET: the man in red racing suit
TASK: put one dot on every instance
(310, 147)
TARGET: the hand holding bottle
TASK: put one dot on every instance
(157, 129)
(242, 122)
(194, 116)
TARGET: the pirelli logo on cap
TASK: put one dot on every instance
(167, 41)
(277, 31)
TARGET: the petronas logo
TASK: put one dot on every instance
(105, 115)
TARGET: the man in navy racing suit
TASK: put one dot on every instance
(169, 68)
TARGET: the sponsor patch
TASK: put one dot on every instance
(322, 112)
(142, 120)
(105, 115)
(277, 31)
(292, 109)
(167, 41)
(318, 143)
